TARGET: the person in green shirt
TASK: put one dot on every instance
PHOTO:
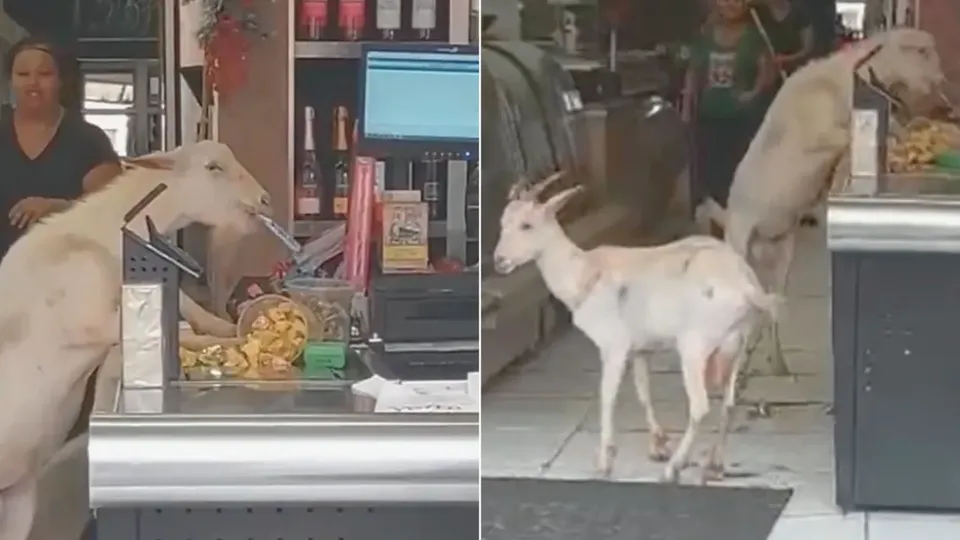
(730, 69)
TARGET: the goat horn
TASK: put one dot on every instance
(518, 189)
(546, 182)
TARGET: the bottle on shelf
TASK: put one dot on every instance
(353, 19)
(424, 18)
(308, 190)
(313, 19)
(431, 189)
(388, 18)
(341, 156)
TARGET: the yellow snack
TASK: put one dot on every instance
(919, 146)
(261, 323)
(251, 349)
(299, 327)
(234, 358)
(270, 347)
(188, 359)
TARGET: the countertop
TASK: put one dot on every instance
(917, 212)
(290, 442)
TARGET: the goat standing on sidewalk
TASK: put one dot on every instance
(695, 295)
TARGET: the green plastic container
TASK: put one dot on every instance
(949, 161)
(324, 360)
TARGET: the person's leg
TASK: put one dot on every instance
(711, 169)
(728, 150)
(702, 145)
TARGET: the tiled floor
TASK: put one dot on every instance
(540, 420)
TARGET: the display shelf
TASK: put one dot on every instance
(324, 76)
(320, 50)
(305, 50)
(303, 228)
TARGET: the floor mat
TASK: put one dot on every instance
(528, 509)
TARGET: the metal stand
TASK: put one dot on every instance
(150, 305)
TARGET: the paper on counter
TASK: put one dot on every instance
(369, 387)
(420, 396)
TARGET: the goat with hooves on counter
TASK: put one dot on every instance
(696, 295)
(60, 314)
(801, 151)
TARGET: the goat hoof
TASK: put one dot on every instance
(712, 472)
(671, 475)
(605, 460)
(659, 451)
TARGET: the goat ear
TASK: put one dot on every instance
(558, 201)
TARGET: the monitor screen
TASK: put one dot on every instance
(421, 95)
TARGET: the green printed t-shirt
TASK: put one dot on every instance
(726, 72)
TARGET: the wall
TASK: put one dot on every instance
(255, 122)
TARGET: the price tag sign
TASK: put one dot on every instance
(340, 206)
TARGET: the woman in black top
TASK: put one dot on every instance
(50, 155)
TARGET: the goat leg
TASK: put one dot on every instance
(780, 272)
(202, 321)
(18, 504)
(693, 364)
(614, 360)
(773, 259)
(658, 451)
(713, 469)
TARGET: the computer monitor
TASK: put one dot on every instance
(419, 101)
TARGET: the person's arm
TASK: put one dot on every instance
(766, 69)
(691, 78)
(101, 162)
(804, 26)
(766, 74)
(689, 87)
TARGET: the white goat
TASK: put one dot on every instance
(60, 315)
(695, 295)
(801, 150)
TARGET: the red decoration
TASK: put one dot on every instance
(226, 56)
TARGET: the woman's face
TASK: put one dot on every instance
(731, 10)
(35, 80)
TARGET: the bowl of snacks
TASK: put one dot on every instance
(272, 333)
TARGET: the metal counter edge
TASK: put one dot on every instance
(864, 224)
(384, 459)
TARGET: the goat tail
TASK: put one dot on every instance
(711, 211)
(767, 304)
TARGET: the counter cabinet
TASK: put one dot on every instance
(894, 242)
(288, 523)
(897, 379)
